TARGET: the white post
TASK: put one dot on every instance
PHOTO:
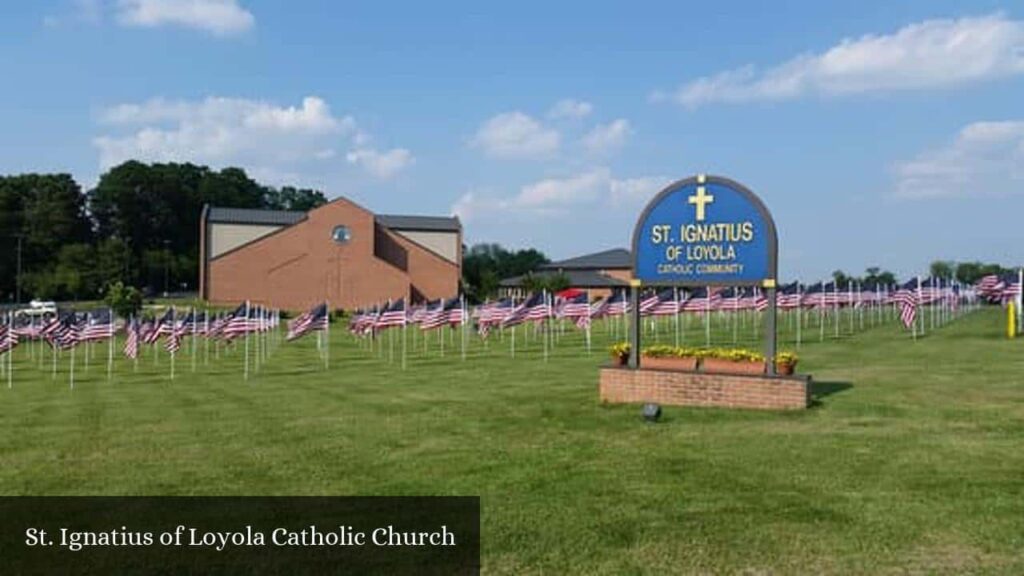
(110, 344)
(193, 339)
(465, 314)
(707, 317)
(245, 374)
(1020, 297)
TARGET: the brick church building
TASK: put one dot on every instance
(339, 252)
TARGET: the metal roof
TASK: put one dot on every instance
(614, 258)
(288, 217)
(254, 216)
(424, 223)
(577, 279)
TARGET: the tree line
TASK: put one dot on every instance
(966, 273)
(138, 226)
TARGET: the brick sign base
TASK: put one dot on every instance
(678, 388)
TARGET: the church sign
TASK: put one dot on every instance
(703, 231)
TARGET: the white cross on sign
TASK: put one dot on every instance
(700, 199)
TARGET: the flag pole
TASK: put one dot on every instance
(707, 316)
(589, 321)
(546, 326)
(465, 314)
(327, 338)
(206, 337)
(675, 296)
(1020, 296)
(174, 334)
(246, 326)
(110, 345)
(72, 374)
(193, 339)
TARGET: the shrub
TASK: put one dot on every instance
(124, 300)
(787, 358)
(619, 349)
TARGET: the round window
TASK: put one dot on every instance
(341, 234)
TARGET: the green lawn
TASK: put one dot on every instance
(911, 461)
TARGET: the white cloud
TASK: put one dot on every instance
(219, 131)
(383, 165)
(592, 189)
(605, 138)
(219, 17)
(928, 54)
(516, 135)
(570, 108)
(635, 192)
(985, 159)
(262, 137)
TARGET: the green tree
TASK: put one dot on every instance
(971, 272)
(47, 211)
(942, 269)
(840, 278)
(113, 262)
(291, 198)
(126, 301)
(876, 276)
(484, 265)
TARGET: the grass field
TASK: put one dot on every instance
(911, 460)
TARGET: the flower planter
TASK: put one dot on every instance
(785, 368)
(620, 360)
(669, 363)
(722, 366)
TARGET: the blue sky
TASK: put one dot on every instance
(878, 133)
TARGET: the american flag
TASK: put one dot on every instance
(99, 325)
(8, 337)
(668, 303)
(535, 307)
(27, 327)
(789, 296)
(493, 314)
(455, 312)
(437, 314)
(392, 315)
(577, 309)
(907, 298)
(173, 340)
(239, 322)
(215, 325)
(417, 313)
(617, 305)
(830, 294)
(362, 321)
(312, 321)
(732, 300)
(753, 298)
(702, 300)
(814, 296)
(989, 286)
(163, 325)
(131, 340)
(1011, 287)
(66, 331)
(648, 300)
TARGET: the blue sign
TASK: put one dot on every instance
(702, 231)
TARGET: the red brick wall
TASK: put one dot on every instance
(622, 385)
(300, 266)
